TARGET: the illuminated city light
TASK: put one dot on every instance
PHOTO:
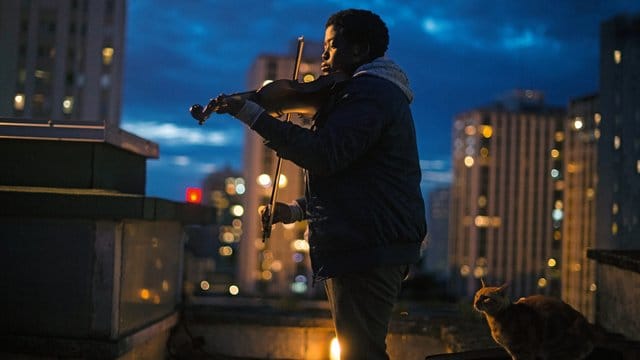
(234, 290)
(470, 130)
(194, 195)
(107, 55)
(468, 161)
(478, 272)
(264, 180)
(300, 245)
(298, 258)
(145, 294)
(617, 56)
(67, 105)
(308, 77)
(204, 285)
(542, 282)
(225, 251)
(615, 208)
(555, 153)
(487, 131)
(614, 228)
(557, 214)
(555, 173)
(276, 265)
(18, 102)
(482, 201)
(465, 270)
(597, 118)
(240, 189)
(334, 349)
(590, 193)
(236, 223)
(267, 275)
(298, 287)
(237, 210)
(576, 267)
(638, 166)
(593, 287)
(578, 124)
(559, 136)
(227, 237)
(165, 285)
(551, 262)
(558, 204)
(616, 142)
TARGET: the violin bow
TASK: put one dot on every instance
(266, 226)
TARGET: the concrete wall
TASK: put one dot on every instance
(618, 301)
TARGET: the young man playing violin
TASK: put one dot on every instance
(363, 202)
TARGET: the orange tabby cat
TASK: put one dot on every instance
(535, 327)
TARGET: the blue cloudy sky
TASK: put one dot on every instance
(458, 54)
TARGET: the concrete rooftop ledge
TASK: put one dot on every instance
(25, 201)
(623, 259)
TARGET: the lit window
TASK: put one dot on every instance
(18, 102)
(551, 262)
(590, 193)
(615, 208)
(484, 152)
(470, 130)
(204, 285)
(482, 201)
(67, 105)
(234, 290)
(593, 287)
(578, 124)
(107, 55)
(614, 228)
(597, 118)
(542, 282)
(237, 210)
(557, 214)
(557, 235)
(225, 251)
(596, 133)
(487, 131)
(465, 270)
(468, 161)
(267, 275)
(555, 173)
(144, 294)
(555, 153)
(617, 56)
(559, 136)
(558, 204)
(616, 142)
(638, 166)
(227, 237)
(240, 189)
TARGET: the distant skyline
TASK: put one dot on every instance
(458, 55)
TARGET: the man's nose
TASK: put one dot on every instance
(325, 55)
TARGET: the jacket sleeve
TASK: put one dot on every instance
(354, 124)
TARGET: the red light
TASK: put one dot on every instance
(194, 195)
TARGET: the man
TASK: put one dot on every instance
(363, 201)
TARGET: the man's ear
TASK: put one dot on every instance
(361, 51)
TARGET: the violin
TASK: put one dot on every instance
(280, 97)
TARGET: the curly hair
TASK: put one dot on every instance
(362, 27)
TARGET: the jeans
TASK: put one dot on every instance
(361, 305)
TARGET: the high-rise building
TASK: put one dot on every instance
(618, 187)
(579, 157)
(280, 266)
(62, 60)
(506, 192)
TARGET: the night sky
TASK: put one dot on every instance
(458, 55)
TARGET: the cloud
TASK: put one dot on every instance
(170, 134)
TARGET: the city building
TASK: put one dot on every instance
(579, 159)
(280, 266)
(62, 60)
(618, 188)
(506, 196)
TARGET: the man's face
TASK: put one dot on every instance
(338, 54)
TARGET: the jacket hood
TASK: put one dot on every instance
(387, 69)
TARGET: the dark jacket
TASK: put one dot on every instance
(363, 199)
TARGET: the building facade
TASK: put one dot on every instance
(62, 60)
(506, 192)
(280, 266)
(579, 157)
(618, 188)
